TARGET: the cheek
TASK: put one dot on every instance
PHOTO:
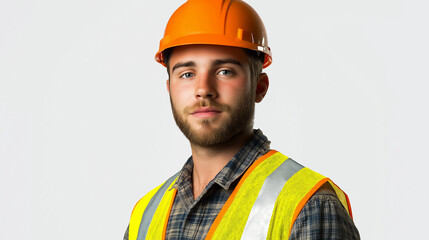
(235, 91)
(180, 94)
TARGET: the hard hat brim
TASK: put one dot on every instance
(211, 39)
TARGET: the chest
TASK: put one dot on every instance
(192, 219)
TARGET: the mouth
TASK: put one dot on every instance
(205, 112)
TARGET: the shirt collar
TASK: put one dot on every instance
(255, 148)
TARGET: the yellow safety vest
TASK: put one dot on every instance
(263, 205)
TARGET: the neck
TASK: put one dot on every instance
(209, 161)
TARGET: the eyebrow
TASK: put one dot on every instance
(226, 61)
(183, 64)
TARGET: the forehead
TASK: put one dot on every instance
(207, 53)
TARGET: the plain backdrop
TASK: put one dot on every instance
(86, 127)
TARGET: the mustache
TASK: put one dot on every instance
(206, 103)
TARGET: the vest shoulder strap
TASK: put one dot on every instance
(153, 207)
(233, 218)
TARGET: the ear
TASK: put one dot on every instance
(168, 85)
(261, 87)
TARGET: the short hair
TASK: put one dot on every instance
(256, 60)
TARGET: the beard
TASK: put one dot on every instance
(239, 120)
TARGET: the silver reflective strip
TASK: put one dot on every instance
(260, 215)
(151, 208)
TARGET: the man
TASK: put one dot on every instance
(233, 186)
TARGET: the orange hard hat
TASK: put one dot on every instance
(216, 22)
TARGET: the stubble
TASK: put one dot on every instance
(239, 120)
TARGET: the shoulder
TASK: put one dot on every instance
(158, 191)
(324, 217)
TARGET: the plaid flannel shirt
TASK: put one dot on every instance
(323, 216)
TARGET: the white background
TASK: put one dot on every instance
(86, 127)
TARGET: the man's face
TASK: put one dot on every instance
(211, 93)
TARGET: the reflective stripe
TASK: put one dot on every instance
(238, 206)
(151, 208)
(136, 215)
(258, 221)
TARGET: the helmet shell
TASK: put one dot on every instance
(216, 22)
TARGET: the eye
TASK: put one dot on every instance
(187, 75)
(226, 72)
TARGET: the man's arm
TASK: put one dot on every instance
(324, 217)
(126, 233)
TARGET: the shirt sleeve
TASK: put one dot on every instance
(324, 217)
(126, 233)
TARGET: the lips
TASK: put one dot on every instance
(205, 112)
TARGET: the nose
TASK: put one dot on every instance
(205, 87)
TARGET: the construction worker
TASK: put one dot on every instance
(233, 186)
